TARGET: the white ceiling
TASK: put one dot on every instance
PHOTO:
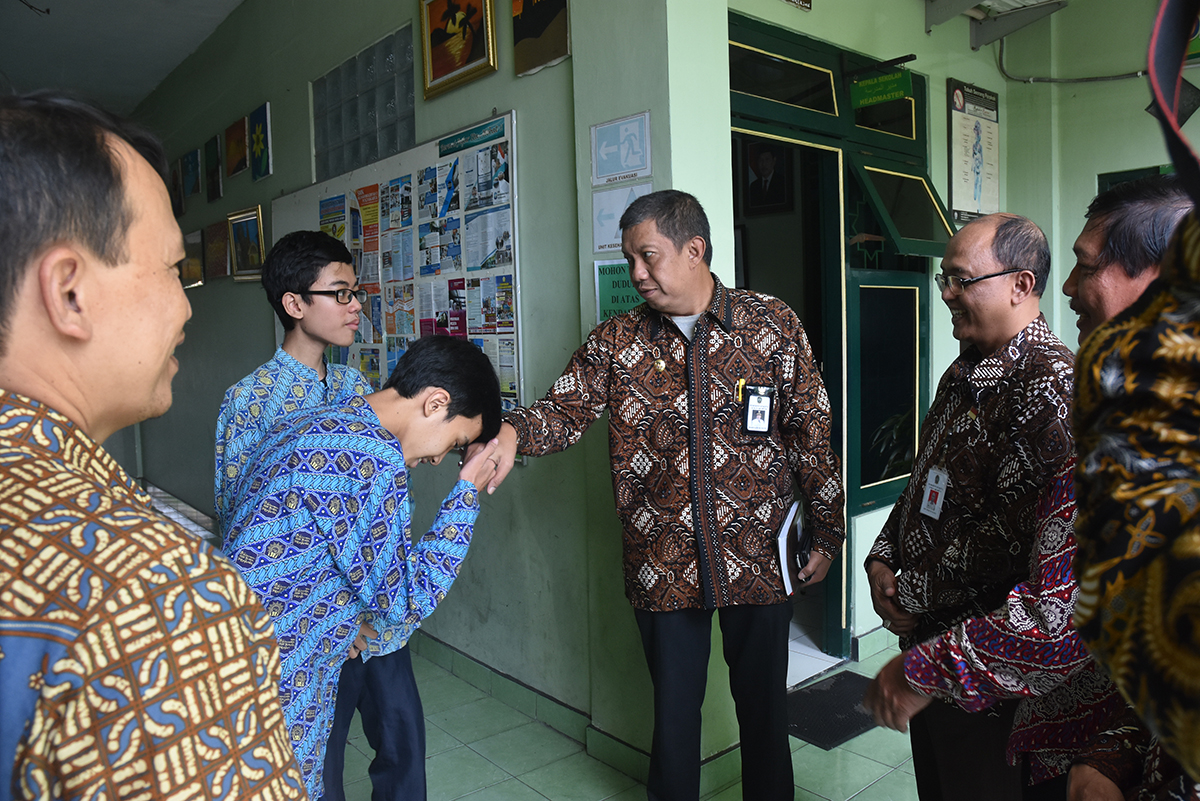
(112, 51)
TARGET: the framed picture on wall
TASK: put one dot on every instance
(191, 271)
(766, 178)
(458, 40)
(246, 243)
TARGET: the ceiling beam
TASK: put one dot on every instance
(991, 29)
(939, 11)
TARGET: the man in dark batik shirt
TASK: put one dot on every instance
(960, 537)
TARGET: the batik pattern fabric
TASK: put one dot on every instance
(136, 663)
(1138, 423)
(700, 500)
(1028, 649)
(259, 401)
(1133, 759)
(322, 531)
(998, 427)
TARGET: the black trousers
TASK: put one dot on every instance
(384, 690)
(961, 755)
(677, 646)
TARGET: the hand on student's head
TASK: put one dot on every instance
(480, 465)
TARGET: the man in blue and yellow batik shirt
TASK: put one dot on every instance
(134, 660)
(310, 283)
(320, 528)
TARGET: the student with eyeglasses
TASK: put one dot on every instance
(310, 283)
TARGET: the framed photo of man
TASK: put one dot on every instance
(246, 243)
(767, 177)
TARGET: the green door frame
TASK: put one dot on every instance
(856, 148)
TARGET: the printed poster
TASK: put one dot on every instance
(333, 216)
(481, 306)
(447, 191)
(395, 203)
(485, 176)
(489, 238)
(427, 193)
(974, 133)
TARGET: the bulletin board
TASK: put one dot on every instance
(433, 234)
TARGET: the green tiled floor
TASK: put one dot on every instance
(481, 749)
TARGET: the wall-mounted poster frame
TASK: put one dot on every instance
(246, 243)
(457, 45)
(973, 130)
(433, 232)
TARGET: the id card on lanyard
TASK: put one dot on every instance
(934, 494)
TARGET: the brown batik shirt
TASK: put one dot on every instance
(1000, 428)
(701, 501)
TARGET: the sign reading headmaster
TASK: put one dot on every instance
(881, 88)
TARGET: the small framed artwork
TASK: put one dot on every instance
(459, 38)
(191, 270)
(246, 243)
(212, 168)
(237, 157)
(216, 250)
(176, 188)
(259, 142)
(541, 34)
(191, 172)
(767, 177)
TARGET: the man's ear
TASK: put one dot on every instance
(61, 274)
(1023, 287)
(436, 400)
(695, 249)
(293, 305)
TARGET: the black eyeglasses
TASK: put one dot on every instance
(342, 296)
(957, 285)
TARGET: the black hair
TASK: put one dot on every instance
(677, 215)
(1019, 244)
(294, 265)
(458, 367)
(60, 181)
(1138, 218)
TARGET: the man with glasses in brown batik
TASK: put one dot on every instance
(959, 538)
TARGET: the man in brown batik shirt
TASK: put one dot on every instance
(959, 537)
(715, 408)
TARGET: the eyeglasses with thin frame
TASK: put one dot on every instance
(957, 285)
(342, 296)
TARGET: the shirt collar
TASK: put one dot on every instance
(986, 373)
(720, 310)
(290, 363)
(33, 426)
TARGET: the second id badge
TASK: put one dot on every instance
(934, 494)
(757, 410)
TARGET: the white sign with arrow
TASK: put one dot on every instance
(621, 149)
(607, 208)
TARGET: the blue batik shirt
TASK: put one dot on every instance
(320, 528)
(257, 402)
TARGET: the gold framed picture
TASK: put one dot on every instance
(246, 243)
(458, 40)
